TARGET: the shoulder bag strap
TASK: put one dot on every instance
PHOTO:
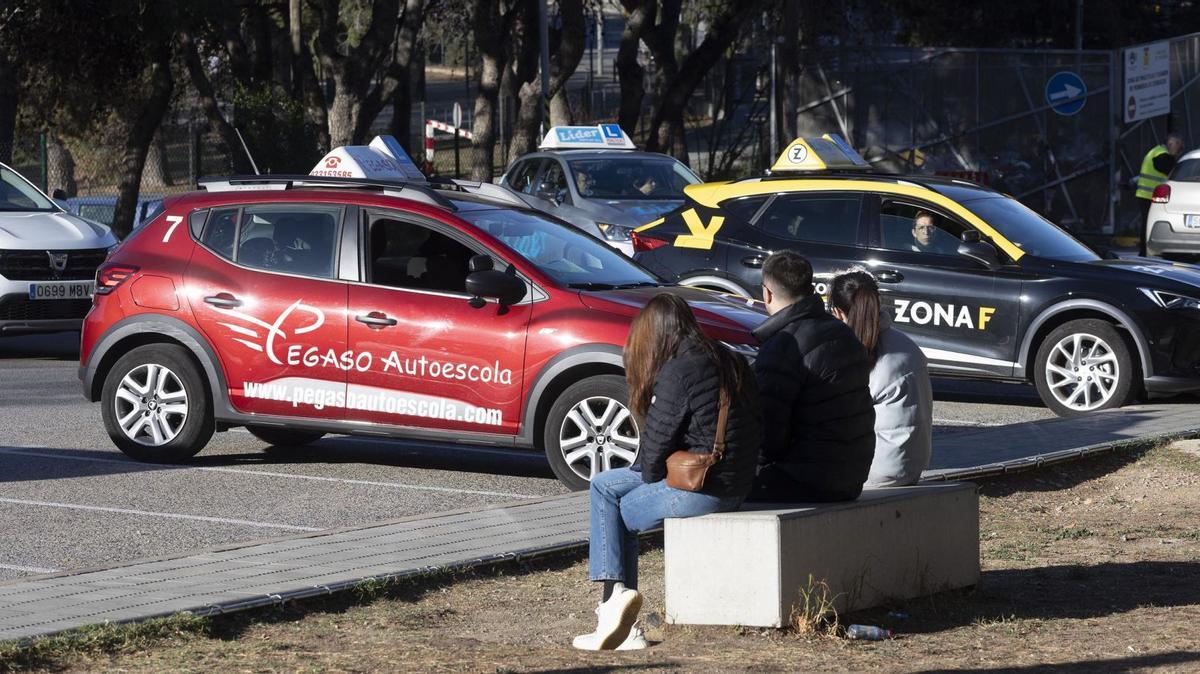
(719, 437)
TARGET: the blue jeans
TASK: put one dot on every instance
(623, 506)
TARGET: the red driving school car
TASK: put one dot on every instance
(377, 305)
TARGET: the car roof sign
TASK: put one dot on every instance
(599, 137)
(383, 159)
(829, 152)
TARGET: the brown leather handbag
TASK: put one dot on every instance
(687, 470)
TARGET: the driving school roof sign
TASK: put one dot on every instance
(601, 136)
(819, 154)
(383, 159)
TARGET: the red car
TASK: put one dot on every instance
(302, 306)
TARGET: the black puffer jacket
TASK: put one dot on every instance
(818, 419)
(683, 415)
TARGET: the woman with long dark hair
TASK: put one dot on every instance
(679, 380)
(899, 383)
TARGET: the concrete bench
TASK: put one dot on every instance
(749, 567)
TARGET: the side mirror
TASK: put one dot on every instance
(480, 263)
(548, 192)
(983, 252)
(507, 288)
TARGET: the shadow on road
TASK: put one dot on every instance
(31, 464)
(1133, 663)
(56, 346)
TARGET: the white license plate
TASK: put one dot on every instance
(1192, 221)
(61, 290)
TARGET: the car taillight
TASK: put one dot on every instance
(109, 276)
(1162, 194)
(643, 242)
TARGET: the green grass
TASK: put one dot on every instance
(98, 640)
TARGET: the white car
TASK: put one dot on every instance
(1173, 224)
(48, 260)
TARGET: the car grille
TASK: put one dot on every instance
(35, 265)
(21, 308)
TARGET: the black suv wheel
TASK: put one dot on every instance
(1084, 366)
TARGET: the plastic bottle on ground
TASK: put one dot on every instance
(867, 633)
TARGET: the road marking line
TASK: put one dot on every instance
(149, 513)
(27, 569)
(967, 422)
(294, 476)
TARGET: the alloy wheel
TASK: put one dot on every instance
(151, 405)
(598, 434)
(1082, 372)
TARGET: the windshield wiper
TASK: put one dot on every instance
(591, 286)
(637, 284)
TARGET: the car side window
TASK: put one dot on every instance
(745, 208)
(817, 218)
(522, 175)
(918, 229)
(405, 254)
(287, 238)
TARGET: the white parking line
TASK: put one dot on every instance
(27, 569)
(266, 473)
(966, 422)
(150, 513)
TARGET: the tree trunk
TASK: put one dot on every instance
(208, 101)
(667, 128)
(485, 21)
(60, 167)
(630, 74)
(788, 60)
(8, 110)
(137, 141)
(560, 109)
(563, 61)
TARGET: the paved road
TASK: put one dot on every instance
(69, 499)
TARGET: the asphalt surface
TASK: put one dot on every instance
(69, 499)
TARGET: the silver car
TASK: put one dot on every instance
(606, 193)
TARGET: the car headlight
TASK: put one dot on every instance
(1170, 300)
(614, 232)
(747, 351)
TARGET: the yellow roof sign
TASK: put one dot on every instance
(819, 154)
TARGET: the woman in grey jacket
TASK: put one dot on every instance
(899, 383)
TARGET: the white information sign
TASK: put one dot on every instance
(1147, 81)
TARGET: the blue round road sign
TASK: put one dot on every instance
(1066, 93)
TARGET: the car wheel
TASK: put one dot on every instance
(155, 406)
(1084, 366)
(590, 429)
(283, 437)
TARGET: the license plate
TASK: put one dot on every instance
(61, 290)
(1192, 221)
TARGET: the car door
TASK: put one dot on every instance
(822, 226)
(963, 315)
(438, 359)
(263, 289)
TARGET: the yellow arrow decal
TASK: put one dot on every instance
(701, 236)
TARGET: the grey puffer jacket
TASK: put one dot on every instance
(903, 402)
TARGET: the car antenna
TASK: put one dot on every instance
(248, 155)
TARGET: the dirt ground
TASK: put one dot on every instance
(1088, 566)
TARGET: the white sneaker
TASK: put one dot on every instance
(636, 640)
(615, 623)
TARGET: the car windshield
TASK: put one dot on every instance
(1029, 231)
(16, 194)
(631, 178)
(562, 252)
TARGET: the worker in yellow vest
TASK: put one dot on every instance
(1157, 163)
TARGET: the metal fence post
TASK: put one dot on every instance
(43, 162)
(194, 155)
(456, 166)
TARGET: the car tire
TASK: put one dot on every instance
(155, 404)
(590, 429)
(1095, 354)
(284, 437)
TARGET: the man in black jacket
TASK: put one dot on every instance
(813, 373)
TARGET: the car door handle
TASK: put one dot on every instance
(754, 261)
(376, 319)
(224, 300)
(889, 276)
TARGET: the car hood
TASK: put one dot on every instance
(633, 212)
(723, 316)
(1143, 271)
(40, 230)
